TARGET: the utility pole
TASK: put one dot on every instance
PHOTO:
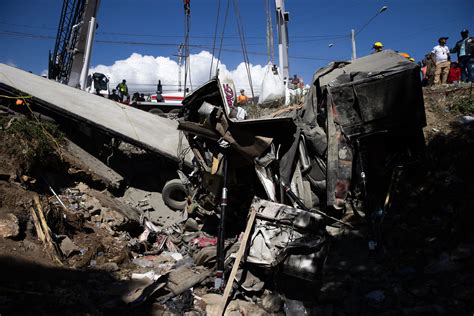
(354, 55)
(282, 25)
(87, 53)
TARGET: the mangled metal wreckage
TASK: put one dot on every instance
(359, 121)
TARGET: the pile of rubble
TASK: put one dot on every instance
(333, 207)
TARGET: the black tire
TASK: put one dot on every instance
(175, 194)
(173, 113)
(156, 111)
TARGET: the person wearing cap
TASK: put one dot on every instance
(242, 98)
(465, 51)
(441, 57)
(378, 47)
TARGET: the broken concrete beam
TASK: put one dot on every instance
(108, 201)
(91, 166)
(124, 122)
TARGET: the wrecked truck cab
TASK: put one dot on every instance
(372, 113)
(255, 150)
(360, 122)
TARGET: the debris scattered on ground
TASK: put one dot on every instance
(73, 242)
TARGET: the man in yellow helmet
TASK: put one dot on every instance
(378, 47)
(123, 90)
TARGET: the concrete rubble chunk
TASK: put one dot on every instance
(271, 302)
(9, 227)
(113, 218)
(108, 267)
(240, 307)
(68, 247)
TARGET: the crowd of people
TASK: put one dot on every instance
(438, 67)
(124, 97)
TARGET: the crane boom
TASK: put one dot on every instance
(66, 62)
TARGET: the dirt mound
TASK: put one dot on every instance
(28, 146)
(444, 105)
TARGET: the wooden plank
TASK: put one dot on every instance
(39, 230)
(238, 258)
(47, 231)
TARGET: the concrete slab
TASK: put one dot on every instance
(161, 213)
(93, 166)
(137, 127)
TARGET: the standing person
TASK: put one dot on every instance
(441, 57)
(454, 73)
(242, 99)
(378, 47)
(465, 51)
(122, 89)
(423, 69)
(430, 69)
(295, 81)
(114, 96)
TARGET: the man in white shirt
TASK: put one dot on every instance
(441, 58)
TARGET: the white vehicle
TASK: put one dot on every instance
(98, 83)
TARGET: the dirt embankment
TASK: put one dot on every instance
(445, 105)
(424, 265)
(89, 239)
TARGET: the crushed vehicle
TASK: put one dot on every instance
(360, 122)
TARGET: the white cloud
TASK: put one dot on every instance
(11, 63)
(142, 72)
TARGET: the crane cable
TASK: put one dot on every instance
(270, 46)
(222, 36)
(215, 36)
(240, 28)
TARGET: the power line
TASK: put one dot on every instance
(31, 26)
(171, 36)
(135, 43)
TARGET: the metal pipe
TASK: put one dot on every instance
(219, 280)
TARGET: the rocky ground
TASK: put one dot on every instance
(105, 258)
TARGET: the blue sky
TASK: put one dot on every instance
(411, 26)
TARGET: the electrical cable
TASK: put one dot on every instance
(215, 36)
(19, 34)
(242, 43)
(222, 36)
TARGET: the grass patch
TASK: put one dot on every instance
(36, 144)
(463, 105)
